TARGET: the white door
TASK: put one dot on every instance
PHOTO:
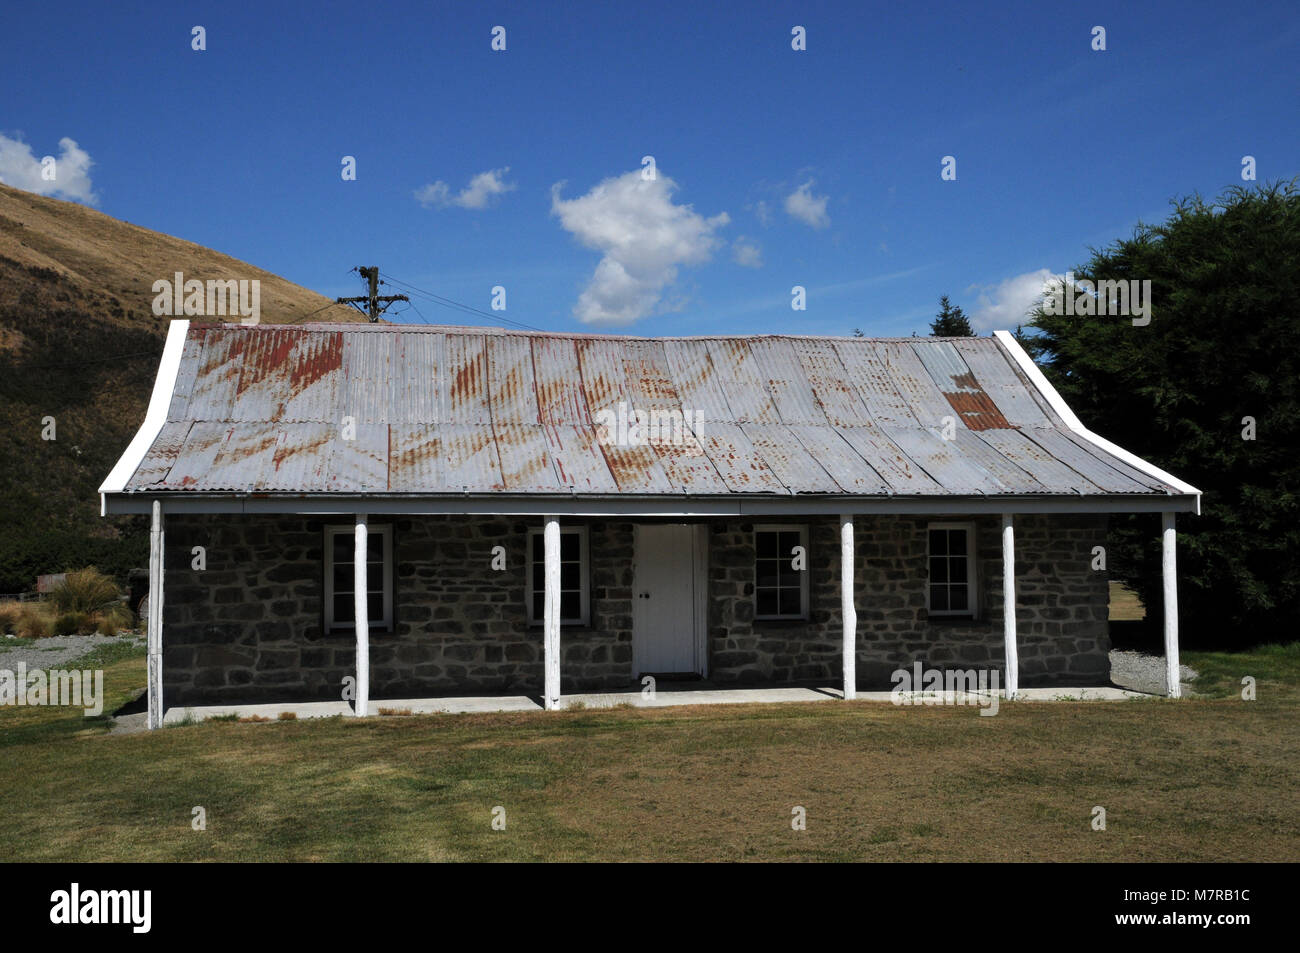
(667, 600)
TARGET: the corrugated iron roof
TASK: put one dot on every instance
(433, 411)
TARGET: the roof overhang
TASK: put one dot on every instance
(647, 506)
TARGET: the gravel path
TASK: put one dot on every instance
(1140, 672)
(54, 651)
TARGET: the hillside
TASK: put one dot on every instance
(79, 342)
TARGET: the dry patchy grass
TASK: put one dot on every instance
(1206, 779)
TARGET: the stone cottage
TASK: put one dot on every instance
(403, 511)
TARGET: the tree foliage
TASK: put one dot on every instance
(950, 322)
(1221, 347)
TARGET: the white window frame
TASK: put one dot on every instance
(385, 532)
(584, 575)
(972, 591)
(802, 530)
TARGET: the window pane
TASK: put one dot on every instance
(957, 542)
(938, 569)
(343, 608)
(788, 542)
(570, 546)
(570, 576)
(938, 542)
(570, 605)
(539, 577)
(957, 568)
(374, 547)
(539, 605)
(958, 597)
(939, 598)
(766, 601)
(767, 545)
(343, 546)
(342, 579)
(767, 574)
(376, 602)
(790, 602)
(539, 547)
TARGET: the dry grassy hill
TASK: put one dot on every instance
(79, 342)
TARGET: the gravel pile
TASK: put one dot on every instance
(1140, 672)
(52, 652)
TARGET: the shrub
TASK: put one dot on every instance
(10, 613)
(71, 623)
(33, 623)
(107, 627)
(88, 591)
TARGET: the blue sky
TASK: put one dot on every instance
(775, 167)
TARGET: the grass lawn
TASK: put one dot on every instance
(1209, 779)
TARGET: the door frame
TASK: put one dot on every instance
(699, 593)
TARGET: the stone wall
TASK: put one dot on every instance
(1061, 615)
(250, 626)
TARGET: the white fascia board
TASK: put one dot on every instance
(154, 418)
(1058, 404)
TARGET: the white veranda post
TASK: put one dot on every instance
(551, 615)
(1009, 605)
(155, 618)
(847, 609)
(361, 615)
(1173, 685)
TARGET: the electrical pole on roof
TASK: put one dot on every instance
(370, 304)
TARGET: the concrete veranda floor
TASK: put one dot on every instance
(697, 694)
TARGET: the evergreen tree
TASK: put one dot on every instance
(950, 322)
(1220, 347)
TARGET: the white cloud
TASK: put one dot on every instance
(20, 168)
(644, 238)
(810, 209)
(480, 192)
(746, 252)
(763, 212)
(1006, 304)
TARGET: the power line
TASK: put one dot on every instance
(456, 305)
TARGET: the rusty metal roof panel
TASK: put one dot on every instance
(1010, 476)
(416, 462)
(1045, 467)
(741, 467)
(973, 407)
(452, 410)
(193, 464)
(944, 462)
(161, 457)
(470, 459)
(903, 474)
(648, 378)
(835, 394)
(1004, 384)
(601, 366)
(789, 460)
(525, 463)
(579, 462)
(783, 376)
(742, 382)
(366, 391)
(557, 375)
(697, 381)
(463, 390)
(841, 461)
(1138, 477)
(868, 373)
(512, 394)
(924, 398)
